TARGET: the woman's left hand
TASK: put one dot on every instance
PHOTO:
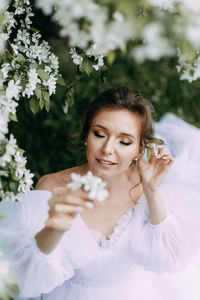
(154, 171)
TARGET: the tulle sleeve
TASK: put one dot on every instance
(171, 245)
(36, 272)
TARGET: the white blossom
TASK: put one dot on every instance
(155, 44)
(3, 4)
(77, 59)
(54, 62)
(99, 64)
(4, 118)
(34, 51)
(105, 33)
(51, 83)
(23, 37)
(5, 68)
(2, 44)
(189, 72)
(90, 183)
(76, 183)
(13, 90)
(32, 83)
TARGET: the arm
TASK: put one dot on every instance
(64, 206)
(152, 175)
(157, 212)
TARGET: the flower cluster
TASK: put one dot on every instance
(90, 28)
(95, 30)
(14, 177)
(152, 146)
(90, 183)
(188, 71)
(28, 69)
(185, 25)
(8, 284)
(155, 44)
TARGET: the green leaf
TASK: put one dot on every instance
(16, 77)
(23, 85)
(41, 103)
(33, 65)
(45, 95)
(21, 48)
(13, 289)
(38, 93)
(34, 29)
(34, 105)
(13, 186)
(111, 57)
(13, 176)
(13, 117)
(1, 75)
(42, 74)
(61, 81)
(20, 150)
(47, 106)
(87, 66)
(71, 101)
(149, 151)
(20, 58)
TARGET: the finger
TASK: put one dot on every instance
(166, 160)
(60, 223)
(61, 194)
(152, 157)
(72, 199)
(163, 151)
(61, 208)
(58, 191)
(81, 193)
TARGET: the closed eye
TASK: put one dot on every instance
(98, 135)
(101, 136)
(127, 144)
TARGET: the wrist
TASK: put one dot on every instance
(151, 191)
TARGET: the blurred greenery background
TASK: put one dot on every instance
(48, 138)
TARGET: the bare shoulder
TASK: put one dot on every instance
(58, 179)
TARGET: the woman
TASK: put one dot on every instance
(82, 249)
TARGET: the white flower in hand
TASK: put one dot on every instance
(76, 183)
(90, 183)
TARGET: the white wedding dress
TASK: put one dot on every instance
(138, 261)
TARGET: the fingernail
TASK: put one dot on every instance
(79, 208)
(89, 204)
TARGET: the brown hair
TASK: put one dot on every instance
(122, 98)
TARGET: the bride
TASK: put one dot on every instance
(137, 244)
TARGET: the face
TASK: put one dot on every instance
(113, 142)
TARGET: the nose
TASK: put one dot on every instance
(108, 147)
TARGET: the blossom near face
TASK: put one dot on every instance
(113, 142)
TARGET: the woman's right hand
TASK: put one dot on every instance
(64, 206)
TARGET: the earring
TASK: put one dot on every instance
(136, 161)
(85, 143)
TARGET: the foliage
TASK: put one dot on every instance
(150, 45)
(28, 70)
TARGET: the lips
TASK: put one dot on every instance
(104, 161)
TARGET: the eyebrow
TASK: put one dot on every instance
(122, 133)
